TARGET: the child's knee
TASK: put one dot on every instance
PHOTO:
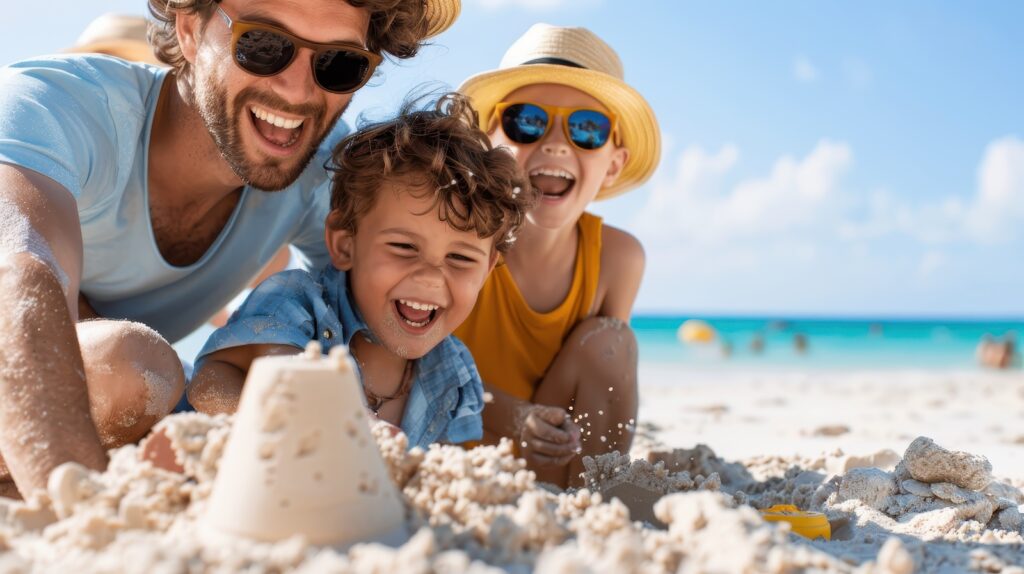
(606, 342)
(134, 377)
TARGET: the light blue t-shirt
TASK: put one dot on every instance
(85, 121)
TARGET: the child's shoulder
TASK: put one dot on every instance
(291, 287)
(294, 279)
(453, 351)
(453, 357)
(622, 268)
(617, 243)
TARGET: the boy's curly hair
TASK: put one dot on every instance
(397, 27)
(476, 187)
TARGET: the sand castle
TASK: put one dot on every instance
(301, 458)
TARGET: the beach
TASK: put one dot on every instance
(742, 414)
(824, 441)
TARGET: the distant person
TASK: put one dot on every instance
(800, 343)
(550, 330)
(997, 353)
(725, 349)
(757, 344)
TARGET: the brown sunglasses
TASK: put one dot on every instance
(265, 50)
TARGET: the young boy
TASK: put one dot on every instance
(420, 207)
(549, 330)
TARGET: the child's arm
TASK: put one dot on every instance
(545, 434)
(217, 385)
(622, 268)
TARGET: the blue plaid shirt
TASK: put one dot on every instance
(294, 307)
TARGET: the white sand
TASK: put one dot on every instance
(745, 415)
(774, 437)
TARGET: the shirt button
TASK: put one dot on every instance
(328, 334)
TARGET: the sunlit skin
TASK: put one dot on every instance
(591, 169)
(228, 97)
(202, 150)
(542, 265)
(401, 252)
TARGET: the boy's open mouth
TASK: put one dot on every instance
(552, 183)
(416, 314)
(277, 130)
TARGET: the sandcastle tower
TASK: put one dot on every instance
(301, 458)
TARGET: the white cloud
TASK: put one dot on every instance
(993, 213)
(798, 236)
(698, 204)
(997, 212)
(804, 71)
(886, 215)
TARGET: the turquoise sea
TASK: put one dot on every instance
(830, 343)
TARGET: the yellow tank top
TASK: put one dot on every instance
(513, 345)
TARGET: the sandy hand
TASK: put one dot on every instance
(548, 436)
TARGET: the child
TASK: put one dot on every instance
(549, 330)
(420, 207)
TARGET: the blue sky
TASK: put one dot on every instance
(821, 158)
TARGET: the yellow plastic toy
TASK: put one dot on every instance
(695, 331)
(808, 524)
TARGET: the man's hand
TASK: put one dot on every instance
(548, 436)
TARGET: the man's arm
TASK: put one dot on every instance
(44, 402)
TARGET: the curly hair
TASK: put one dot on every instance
(397, 27)
(476, 187)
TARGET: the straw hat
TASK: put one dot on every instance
(121, 35)
(577, 58)
(441, 14)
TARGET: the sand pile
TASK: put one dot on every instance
(481, 511)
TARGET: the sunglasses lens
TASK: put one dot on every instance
(263, 52)
(524, 123)
(589, 129)
(340, 71)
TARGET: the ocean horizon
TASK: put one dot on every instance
(809, 342)
(751, 343)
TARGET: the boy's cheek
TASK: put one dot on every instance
(467, 298)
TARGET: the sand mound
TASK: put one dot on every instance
(481, 511)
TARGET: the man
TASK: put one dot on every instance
(133, 194)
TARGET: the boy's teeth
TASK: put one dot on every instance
(415, 324)
(275, 120)
(552, 172)
(418, 306)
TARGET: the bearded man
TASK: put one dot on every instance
(135, 201)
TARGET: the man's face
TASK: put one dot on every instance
(413, 277)
(568, 178)
(241, 110)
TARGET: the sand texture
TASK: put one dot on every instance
(921, 506)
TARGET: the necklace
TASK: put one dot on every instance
(375, 401)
